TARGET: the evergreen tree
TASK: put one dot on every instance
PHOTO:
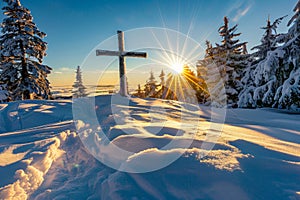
(246, 95)
(295, 19)
(210, 71)
(268, 76)
(254, 76)
(151, 86)
(171, 88)
(268, 41)
(231, 61)
(184, 85)
(162, 78)
(22, 51)
(162, 89)
(78, 87)
(276, 77)
(139, 92)
(196, 83)
(288, 94)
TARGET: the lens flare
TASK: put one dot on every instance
(177, 67)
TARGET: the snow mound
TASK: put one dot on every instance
(43, 155)
(26, 157)
(31, 113)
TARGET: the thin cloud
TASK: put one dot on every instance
(239, 9)
(63, 70)
(235, 6)
(66, 69)
(241, 13)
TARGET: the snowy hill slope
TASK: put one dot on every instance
(43, 155)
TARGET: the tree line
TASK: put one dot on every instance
(230, 76)
(185, 86)
(227, 75)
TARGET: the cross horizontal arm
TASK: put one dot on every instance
(107, 53)
(135, 54)
(117, 53)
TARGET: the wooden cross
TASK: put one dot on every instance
(122, 64)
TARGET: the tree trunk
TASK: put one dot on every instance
(24, 73)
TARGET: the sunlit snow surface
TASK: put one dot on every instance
(42, 156)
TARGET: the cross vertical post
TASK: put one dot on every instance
(122, 63)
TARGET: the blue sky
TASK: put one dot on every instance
(75, 27)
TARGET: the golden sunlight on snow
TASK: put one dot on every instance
(7, 157)
(249, 134)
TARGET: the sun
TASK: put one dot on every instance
(177, 67)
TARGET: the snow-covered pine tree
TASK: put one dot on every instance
(276, 77)
(184, 85)
(3, 94)
(139, 92)
(170, 88)
(162, 78)
(151, 86)
(253, 74)
(161, 93)
(246, 95)
(197, 86)
(231, 61)
(288, 94)
(22, 51)
(268, 76)
(268, 40)
(209, 70)
(78, 87)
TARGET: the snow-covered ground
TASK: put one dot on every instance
(43, 156)
(65, 91)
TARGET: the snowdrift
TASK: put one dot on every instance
(44, 156)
